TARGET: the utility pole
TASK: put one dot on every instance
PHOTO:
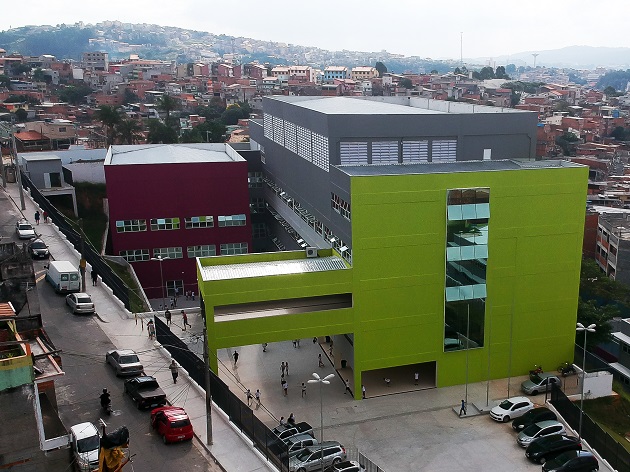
(206, 366)
(82, 263)
(17, 171)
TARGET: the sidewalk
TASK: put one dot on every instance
(232, 451)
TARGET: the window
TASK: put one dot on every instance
(159, 224)
(278, 130)
(131, 226)
(199, 222)
(340, 206)
(170, 252)
(232, 220)
(320, 151)
(202, 251)
(259, 230)
(353, 153)
(233, 248)
(385, 152)
(257, 205)
(255, 179)
(135, 255)
(415, 151)
(304, 143)
(290, 136)
(171, 285)
(444, 150)
(268, 125)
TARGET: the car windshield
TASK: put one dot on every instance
(506, 404)
(149, 385)
(88, 444)
(302, 456)
(535, 378)
(180, 423)
(84, 300)
(26, 227)
(130, 359)
(38, 245)
(531, 430)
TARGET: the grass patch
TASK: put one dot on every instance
(612, 414)
(136, 302)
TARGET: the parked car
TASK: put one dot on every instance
(85, 443)
(172, 423)
(540, 383)
(286, 431)
(296, 443)
(124, 362)
(80, 302)
(573, 461)
(533, 416)
(548, 447)
(38, 249)
(24, 230)
(538, 430)
(347, 466)
(311, 458)
(511, 408)
(145, 391)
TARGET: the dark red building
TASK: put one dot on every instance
(176, 202)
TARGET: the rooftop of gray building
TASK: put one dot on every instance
(452, 167)
(171, 154)
(388, 106)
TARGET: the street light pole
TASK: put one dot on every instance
(160, 259)
(590, 329)
(320, 381)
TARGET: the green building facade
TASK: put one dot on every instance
(458, 270)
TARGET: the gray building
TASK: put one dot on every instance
(612, 252)
(302, 140)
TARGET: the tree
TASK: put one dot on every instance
(167, 104)
(110, 117)
(38, 75)
(486, 73)
(20, 69)
(510, 69)
(590, 312)
(75, 94)
(128, 130)
(5, 81)
(235, 112)
(381, 68)
(406, 83)
(434, 71)
(130, 97)
(620, 133)
(160, 133)
(457, 71)
(212, 131)
(501, 74)
(567, 142)
(21, 115)
(610, 91)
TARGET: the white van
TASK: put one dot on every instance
(63, 276)
(85, 443)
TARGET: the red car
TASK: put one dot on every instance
(172, 423)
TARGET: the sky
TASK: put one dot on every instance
(409, 27)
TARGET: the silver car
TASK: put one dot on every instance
(310, 459)
(538, 430)
(24, 230)
(80, 303)
(124, 362)
(542, 382)
(298, 442)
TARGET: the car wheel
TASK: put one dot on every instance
(164, 439)
(535, 392)
(336, 460)
(506, 418)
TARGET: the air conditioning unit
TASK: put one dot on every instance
(311, 252)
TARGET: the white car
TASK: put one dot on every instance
(85, 443)
(511, 408)
(24, 230)
(538, 430)
(80, 303)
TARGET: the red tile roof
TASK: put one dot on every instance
(29, 136)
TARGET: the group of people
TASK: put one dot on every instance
(255, 398)
(289, 422)
(37, 216)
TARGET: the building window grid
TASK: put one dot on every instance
(168, 252)
(320, 151)
(290, 136)
(257, 205)
(135, 255)
(232, 220)
(353, 153)
(278, 130)
(131, 226)
(255, 179)
(385, 152)
(268, 126)
(415, 151)
(164, 224)
(199, 222)
(340, 206)
(444, 150)
(201, 251)
(259, 230)
(230, 249)
(304, 149)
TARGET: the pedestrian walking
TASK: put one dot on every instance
(387, 381)
(285, 387)
(363, 391)
(94, 275)
(416, 377)
(294, 343)
(314, 339)
(319, 358)
(167, 317)
(286, 366)
(151, 329)
(257, 396)
(37, 217)
(282, 421)
(298, 342)
(249, 396)
(172, 300)
(347, 390)
(192, 294)
(282, 368)
(291, 419)
(235, 356)
(264, 346)
(45, 217)
(303, 389)
(174, 370)
(462, 409)
(185, 320)
(175, 300)
(176, 292)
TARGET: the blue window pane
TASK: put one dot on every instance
(468, 253)
(469, 212)
(466, 292)
(481, 251)
(483, 210)
(454, 212)
(452, 294)
(479, 291)
(453, 254)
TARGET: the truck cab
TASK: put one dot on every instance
(85, 443)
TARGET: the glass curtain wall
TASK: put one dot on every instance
(468, 213)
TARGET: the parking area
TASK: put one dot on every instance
(413, 431)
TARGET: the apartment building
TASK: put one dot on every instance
(335, 72)
(95, 60)
(363, 73)
(176, 202)
(425, 242)
(612, 252)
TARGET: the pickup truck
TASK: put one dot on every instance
(285, 431)
(145, 391)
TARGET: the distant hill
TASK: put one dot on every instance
(575, 57)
